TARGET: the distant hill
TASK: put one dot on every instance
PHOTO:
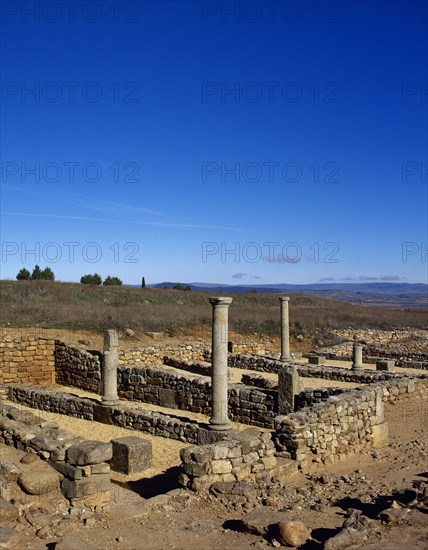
(388, 295)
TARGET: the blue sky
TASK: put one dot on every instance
(215, 141)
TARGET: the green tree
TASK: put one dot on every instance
(37, 274)
(187, 287)
(178, 286)
(23, 275)
(48, 274)
(89, 279)
(143, 282)
(112, 281)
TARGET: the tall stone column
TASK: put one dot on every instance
(110, 364)
(285, 329)
(357, 355)
(219, 420)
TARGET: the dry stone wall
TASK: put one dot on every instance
(149, 422)
(166, 388)
(82, 465)
(328, 431)
(77, 368)
(247, 455)
(27, 359)
(154, 355)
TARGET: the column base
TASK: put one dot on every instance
(357, 367)
(110, 402)
(219, 427)
(285, 358)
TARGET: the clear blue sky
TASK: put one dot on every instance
(182, 138)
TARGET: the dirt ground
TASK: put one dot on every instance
(368, 481)
(150, 512)
(181, 520)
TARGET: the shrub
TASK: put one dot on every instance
(37, 273)
(48, 274)
(112, 281)
(89, 279)
(23, 275)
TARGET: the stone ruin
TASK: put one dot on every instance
(288, 427)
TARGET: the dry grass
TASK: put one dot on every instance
(75, 306)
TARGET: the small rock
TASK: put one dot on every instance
(292, 533)
(344, 539)
(8, 470)
(72, 543)
(29, 458)
(129, 332)
(39, 482)
(9, 538)
(260, 520)
(8, 512)
(393, 516)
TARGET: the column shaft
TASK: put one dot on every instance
(109, 372)
(285, 329)
(219, 420)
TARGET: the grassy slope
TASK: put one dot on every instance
(70, 305)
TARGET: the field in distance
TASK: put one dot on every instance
(177, 313)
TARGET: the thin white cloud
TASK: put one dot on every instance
(86, 202)
(159, 224)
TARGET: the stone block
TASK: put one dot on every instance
(131, 455)
(385, 365)
(66, 470)
(380, 435)
(168, 398)
(316, 359)
(288, 387)
(80, 488)
(103, 414)
(89, 452)
(101, 468)
(221, 467)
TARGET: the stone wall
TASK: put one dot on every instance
(259, 381)
(328, 431)
(371, 355)
(27, 359)
(149, 422)
(247, 455)
(264, 364)
(203, 368)
(309, 397)
(82, 465)
(154, 355)
(247, 405)
(77, 368)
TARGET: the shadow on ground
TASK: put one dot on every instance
(153, 486)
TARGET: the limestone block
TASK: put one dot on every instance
(89, 452)
(131, 455)
(221, 467)
(380, 435)
(316, 359)
(385, 365)
(79, 488)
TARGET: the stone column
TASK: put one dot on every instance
(288, 388)
(219, 420)
(285, 329)
(110, 363)
(357, 355)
